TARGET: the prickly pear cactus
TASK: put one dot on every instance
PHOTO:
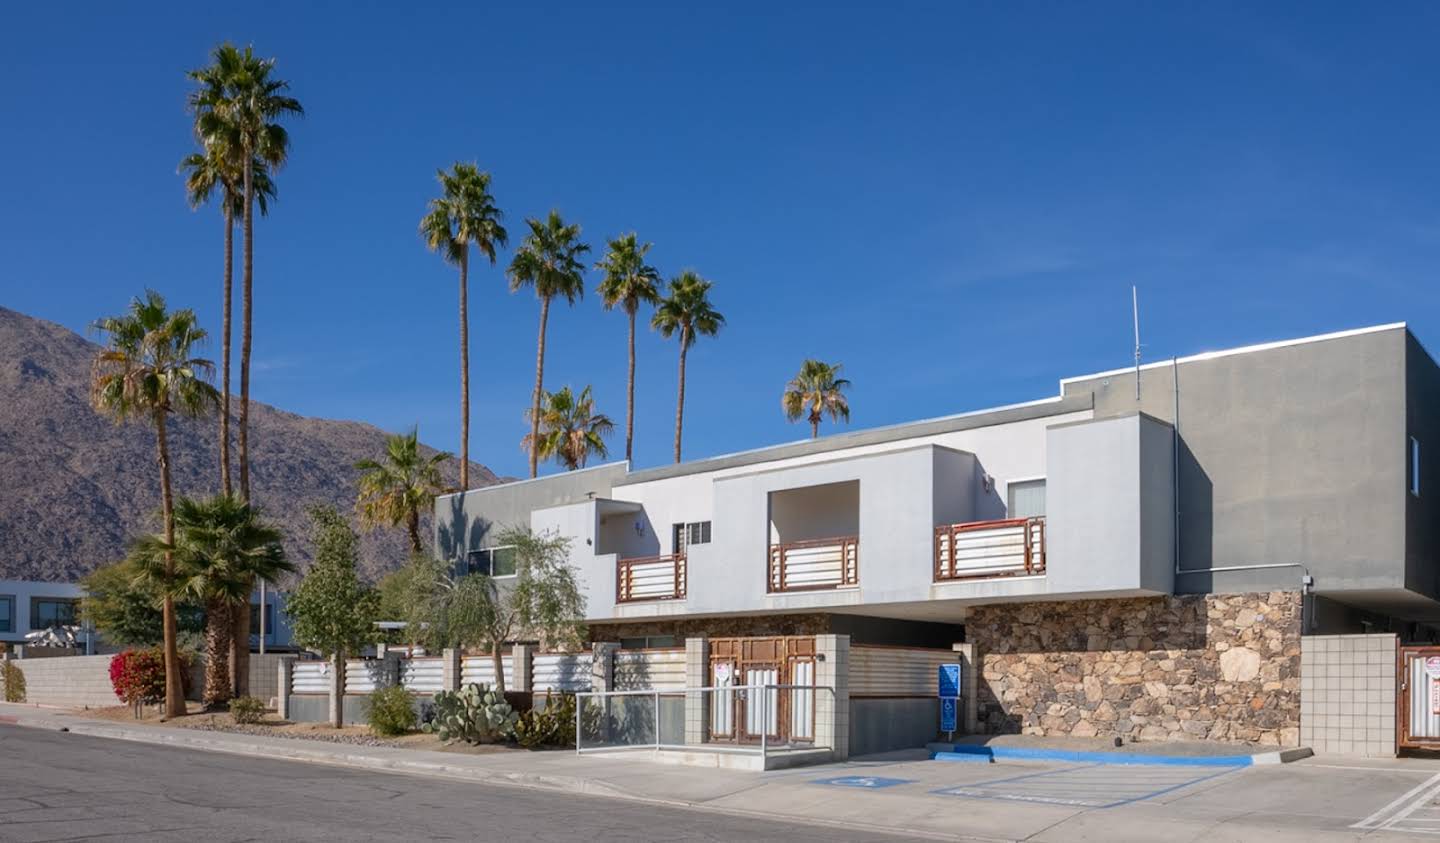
(474, 714)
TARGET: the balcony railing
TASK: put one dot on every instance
(814, 564)
(650, 578)
(985, 549)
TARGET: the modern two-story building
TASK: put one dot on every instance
(1137, 555)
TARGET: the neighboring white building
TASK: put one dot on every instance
(28, 606)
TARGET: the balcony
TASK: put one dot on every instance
(650, 578)
(1013, 547)
(814, 564)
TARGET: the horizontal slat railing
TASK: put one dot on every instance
(814, 564)
(650, 578)
(985, 549)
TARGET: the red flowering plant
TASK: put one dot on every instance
(138, 677)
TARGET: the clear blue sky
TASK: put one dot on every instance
(952, 199)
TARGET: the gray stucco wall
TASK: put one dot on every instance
(1292, 454)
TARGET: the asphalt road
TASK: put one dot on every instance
(58, 786)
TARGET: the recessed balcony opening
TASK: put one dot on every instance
(641, 572)
(1005, 547)
(814, 538)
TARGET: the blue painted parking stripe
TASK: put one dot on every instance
(956, 752)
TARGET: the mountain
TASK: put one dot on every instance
(75, 486)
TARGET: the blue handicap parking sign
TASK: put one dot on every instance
(949, 680)
(948, 710)
(868, 782)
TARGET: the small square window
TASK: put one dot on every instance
(1026, 499)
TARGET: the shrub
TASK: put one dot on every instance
(474, 714)
(391, 711)
(553, 725)
(138, 676)
(247, 710)
(13, 678)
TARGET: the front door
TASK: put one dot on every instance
(749, 665)
(1419, 681)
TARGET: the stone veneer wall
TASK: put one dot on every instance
(1197, 667)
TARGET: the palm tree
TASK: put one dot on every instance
(205, 173)
(688, 312)
(221, 546)
(629, 282)
(464, 215)
(548, 260)
(570, 429)
(237, 106)
(147, 371)
(395, 490)
(816, 391)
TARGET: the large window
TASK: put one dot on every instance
(492, 561)
(1026, 498)
(47, 612)
(7, 613)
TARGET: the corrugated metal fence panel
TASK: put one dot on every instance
(423, 676)
(310, 678)
(363, 676)
(897, 671)
(481, 670)
(645, 670)
(562, 671)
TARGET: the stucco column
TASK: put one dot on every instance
(832, 706)
(697, 703)
(450, 669)
(285, 665)
(969, 688)
(521, 670)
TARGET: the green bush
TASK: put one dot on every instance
(474, 714)
(247, 710)
(553, 725)
(14, 682)
(391, 712)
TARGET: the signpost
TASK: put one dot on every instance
(949, 694)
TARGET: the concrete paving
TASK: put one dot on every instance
(1315, 800)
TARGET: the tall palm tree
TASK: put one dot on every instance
(570, 429)
(629, 282)
(464, 215)
(238, 105)
(549, 261)
(221, 546)
(686, 311)
(207, 172)
(148, 370)
(394, 490)
(814, 392)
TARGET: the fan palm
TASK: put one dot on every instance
(221, 547)
(207, 172)
(629, 282)
(237, 106)
(464, 215)
(815, 392)
(686, 311)
(148, 370)
(570, 429)
(549, 261)
(394, 490)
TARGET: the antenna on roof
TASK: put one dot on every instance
(1135, 313)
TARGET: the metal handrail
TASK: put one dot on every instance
(1032, 547)
(624, 573)
(776, 579)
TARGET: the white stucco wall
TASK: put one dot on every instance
(21, 592)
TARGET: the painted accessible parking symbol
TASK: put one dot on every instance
(867, 782)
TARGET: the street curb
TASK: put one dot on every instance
(974, 752)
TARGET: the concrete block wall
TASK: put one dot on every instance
(1347, 694)
(265, 676)
(72, 682)
(832, 709)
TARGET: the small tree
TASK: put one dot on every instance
(332, 611)
(125, 609)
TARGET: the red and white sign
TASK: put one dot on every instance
(1432, 667)
(1435, 697)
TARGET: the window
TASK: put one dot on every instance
(1415, 466)
(492, 561)
(269, 619)
(649, 642)
(1026, 498)
(684, 535)
(7, 613)
(47, 612)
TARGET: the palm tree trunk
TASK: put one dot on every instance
(412, 524)
(814, 427)
(535, 398)
(337, 689)
(630, 394)
(498, 660)
(240, 647)
(225, 346)
(464, 374)
(174, 685)
(680, 401)
(218, 627)
(247, 280)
